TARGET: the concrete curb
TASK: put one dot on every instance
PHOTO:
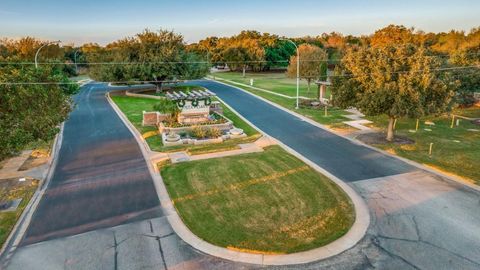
(353, 236)
(130, 86)
(16, 235)
(125, 120)
(445, 177)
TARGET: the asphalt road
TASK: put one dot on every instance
(101, 179)
(419, 221)
(339, 156)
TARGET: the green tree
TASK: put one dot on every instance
(279, 53)
(398, 81)
(313, 63)
(243, 53)
(467, 54)
(168, 107)
(155, 57)
(31, 112)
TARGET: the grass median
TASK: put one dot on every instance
(267, 202)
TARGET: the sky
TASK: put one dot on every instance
(103, 21)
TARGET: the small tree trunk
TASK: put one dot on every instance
(309, 81)
(244, 71)
(318, 93)
(159, 86)
(390, 130)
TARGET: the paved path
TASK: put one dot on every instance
(419, 221)
(101, 179)
(10, 168)
(337, 155)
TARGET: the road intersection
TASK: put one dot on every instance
(101, 210)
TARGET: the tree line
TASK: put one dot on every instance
(395, 71)
(30, 111)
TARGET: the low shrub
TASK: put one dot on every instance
(199, 132)
(214, 132)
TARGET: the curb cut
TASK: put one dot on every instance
(350, 239)
(444, 177)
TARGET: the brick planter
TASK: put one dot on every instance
(223, 127)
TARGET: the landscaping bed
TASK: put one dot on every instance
(381, 138)
(267, 202)
(133, 108)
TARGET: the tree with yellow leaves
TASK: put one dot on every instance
(313, 64)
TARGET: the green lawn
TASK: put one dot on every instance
(276, 82)
(472, 112)
(334, 116)
(10, 190)
(267, 202)
(448, 155)
(455, 150)
(133, 107)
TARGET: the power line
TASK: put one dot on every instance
(204, 62)
(153, 82)
(409, 71)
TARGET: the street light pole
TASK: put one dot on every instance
(38, 51)
(75, 60)
(298, 70)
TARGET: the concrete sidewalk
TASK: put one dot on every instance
(10, 169)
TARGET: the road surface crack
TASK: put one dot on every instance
(378, 245)
(115, 250)
(151, 226)
(426, 243)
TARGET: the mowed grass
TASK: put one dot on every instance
(455, 150)
(267, 202)
(333, 118)
(133, 108)
(276, 81)
(450, 156)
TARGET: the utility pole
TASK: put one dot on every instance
(298, 70)
(75, 60)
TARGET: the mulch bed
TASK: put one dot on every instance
(476, 122)
(380, 138)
